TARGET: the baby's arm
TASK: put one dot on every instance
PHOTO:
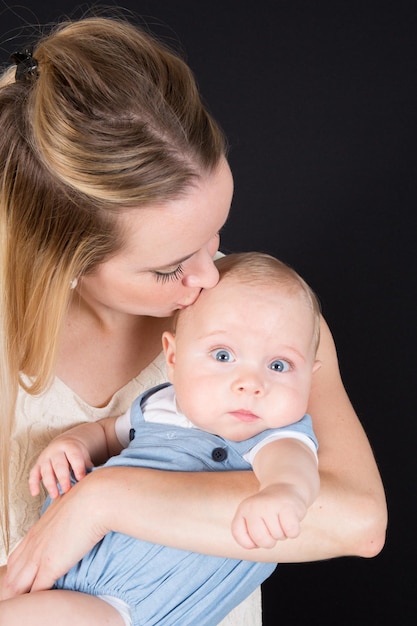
(76, 449)
(288, 484)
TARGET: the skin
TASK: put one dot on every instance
(193, 511)
(66, 608)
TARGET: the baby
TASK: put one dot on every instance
(240, 365)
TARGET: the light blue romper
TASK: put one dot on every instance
(163, 585)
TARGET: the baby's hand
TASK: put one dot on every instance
(55, 463)
(273, 514)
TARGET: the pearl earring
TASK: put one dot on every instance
(73, 283)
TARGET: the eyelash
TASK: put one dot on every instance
(169, 276)
(163, 277)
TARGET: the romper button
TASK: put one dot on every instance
(131, 434)
(219, 454)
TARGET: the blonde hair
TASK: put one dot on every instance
(113, 120)
(258, 268)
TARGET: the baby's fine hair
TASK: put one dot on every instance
(258, 268)
(108, 119)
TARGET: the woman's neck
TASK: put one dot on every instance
(100, 354)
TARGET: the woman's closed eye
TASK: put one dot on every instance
(168, 276)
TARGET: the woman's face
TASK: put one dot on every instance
(168, 255)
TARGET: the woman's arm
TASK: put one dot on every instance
(351, 507)
(194, 511)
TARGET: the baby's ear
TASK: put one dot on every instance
(168, 344)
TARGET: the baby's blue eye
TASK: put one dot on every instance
(222, 355)
(280, 366)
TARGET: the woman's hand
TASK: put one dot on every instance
(66, 532)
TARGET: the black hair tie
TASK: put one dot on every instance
(26, 65)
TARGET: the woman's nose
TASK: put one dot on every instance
(202, 272)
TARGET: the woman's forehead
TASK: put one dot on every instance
(165, 234)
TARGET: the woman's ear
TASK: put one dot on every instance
(316, 365)
(168, 344)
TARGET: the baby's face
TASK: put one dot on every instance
(242, 359)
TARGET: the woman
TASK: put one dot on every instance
(114, 187)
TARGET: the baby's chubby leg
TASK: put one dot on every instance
(56, 606)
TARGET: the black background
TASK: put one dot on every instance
(319, 102)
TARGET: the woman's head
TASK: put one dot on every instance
(167, 255)
(113, 120)
(117, 116)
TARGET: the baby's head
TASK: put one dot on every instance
(260, 270)
(243, 354)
